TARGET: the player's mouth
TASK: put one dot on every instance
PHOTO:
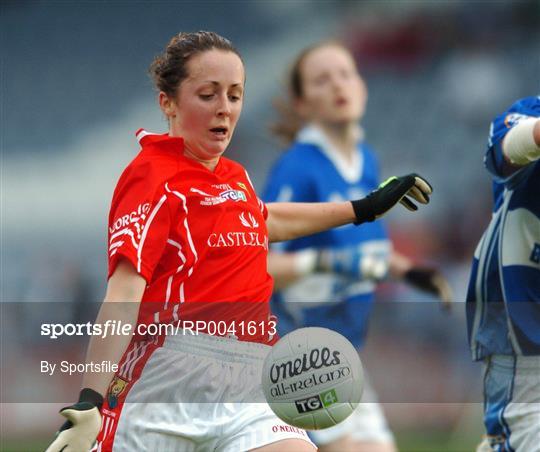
(341, 101)
(220, 133)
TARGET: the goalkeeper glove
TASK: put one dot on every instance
(432, 281)
(354, 261)
(388, 194)
(80, 431)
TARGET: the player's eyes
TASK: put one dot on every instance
(206, 96)
(234, 98)
(319, 81)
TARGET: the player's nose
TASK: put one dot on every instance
(223, 106)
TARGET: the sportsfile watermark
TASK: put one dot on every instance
(44, 347)
(221, 328)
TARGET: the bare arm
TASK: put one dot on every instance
(287, 268)
(288, 221)
(122, 300)
(284, 269)
(399, 265)
(353, 261)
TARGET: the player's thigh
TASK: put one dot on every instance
(348, 444)
(287, 445)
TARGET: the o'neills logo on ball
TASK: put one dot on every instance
(317, 359)
(309, 371)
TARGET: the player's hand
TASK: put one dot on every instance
(355, 261)
(402, 189)
(432, 281)
(79, 432)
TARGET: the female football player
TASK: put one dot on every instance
(328, 279)
(503, 304)
(188, 244)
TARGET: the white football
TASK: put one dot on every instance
(313, 378)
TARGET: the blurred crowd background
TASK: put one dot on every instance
(75, 88)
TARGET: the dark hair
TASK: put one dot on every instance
(289, 122)
(169, 69)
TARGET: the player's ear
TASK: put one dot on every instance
(167, 105)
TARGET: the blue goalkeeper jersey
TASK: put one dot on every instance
(503, 299)
(312, 171)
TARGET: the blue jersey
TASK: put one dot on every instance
(312, 171)
(503, 299)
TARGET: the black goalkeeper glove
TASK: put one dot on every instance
(388, 194)
(79, 432)
(432, 281)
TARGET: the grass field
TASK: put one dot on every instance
(436, 441)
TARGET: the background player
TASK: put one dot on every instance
(186, 232)
(504, 289)
(336, 270)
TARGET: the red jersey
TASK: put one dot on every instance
(198, 237)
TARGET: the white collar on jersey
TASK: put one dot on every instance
(351, 171)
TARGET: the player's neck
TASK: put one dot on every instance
(208, 163)
(343, 137)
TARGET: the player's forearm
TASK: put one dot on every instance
(399, 265)
(111, 348)
(122, 301)
(284, 268)
(288, 221)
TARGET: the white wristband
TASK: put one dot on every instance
(305, 261)
(374, 267)
(519, 145)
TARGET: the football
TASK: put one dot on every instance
(313, 378)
